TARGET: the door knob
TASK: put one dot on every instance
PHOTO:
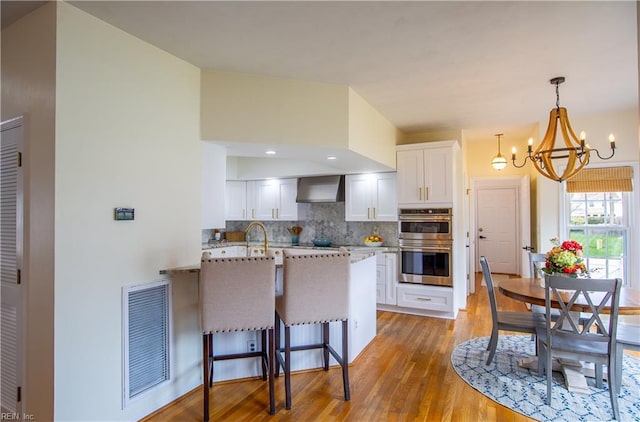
(528, 248)
(483, 237)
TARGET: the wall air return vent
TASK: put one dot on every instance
(146, 331)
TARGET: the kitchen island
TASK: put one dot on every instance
(362, 320)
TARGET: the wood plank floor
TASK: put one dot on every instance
(405, 374)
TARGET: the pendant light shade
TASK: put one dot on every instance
(499, 161)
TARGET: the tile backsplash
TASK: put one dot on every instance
(319, 220)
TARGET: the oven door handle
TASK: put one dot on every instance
(425, 248)
(422, 219)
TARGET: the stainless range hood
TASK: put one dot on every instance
(321, 189)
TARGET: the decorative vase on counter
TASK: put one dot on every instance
(295, 239)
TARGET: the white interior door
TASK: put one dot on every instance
(497, 228)
(11, 307)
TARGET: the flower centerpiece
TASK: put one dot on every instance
(565, 258)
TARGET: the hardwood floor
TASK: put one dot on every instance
(404, 374)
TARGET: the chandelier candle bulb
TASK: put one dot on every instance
(612, 141)
(529, 146)
(513, 153)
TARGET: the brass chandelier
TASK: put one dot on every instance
(575, 152)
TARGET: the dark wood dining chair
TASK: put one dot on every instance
(568, 338)
(523, 322)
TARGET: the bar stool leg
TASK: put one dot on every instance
(272, 352)
(263, 334)
(287, 366)
(345, 359)
(205, 370)
(278, 347)
(325, 342)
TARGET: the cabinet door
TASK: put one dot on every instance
(385, 202)
(410, 184)
(287, 208)
(391, 277)
(358, 201)
(225, 252)
(236, 200)
(265, 199)
(380, 284)
(251, 200)
(438, 173)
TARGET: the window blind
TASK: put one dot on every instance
(605, 179)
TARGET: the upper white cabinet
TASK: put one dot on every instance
(240, 200)
(262, 200)
(371, 197)
(236, 200)
(426, 173)
(275, 199)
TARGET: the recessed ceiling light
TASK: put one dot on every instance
(270, 152)
(331, 157)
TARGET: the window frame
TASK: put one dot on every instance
(631, 209)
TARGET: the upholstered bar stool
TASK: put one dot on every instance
(237, 294)
(315, 291)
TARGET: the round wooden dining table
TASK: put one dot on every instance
(530, 290)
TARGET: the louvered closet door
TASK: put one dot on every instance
(11, 320)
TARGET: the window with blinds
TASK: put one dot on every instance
(598, 217)
(146, 337)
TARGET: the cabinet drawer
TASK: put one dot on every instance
(426, 297)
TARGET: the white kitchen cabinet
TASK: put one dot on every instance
(227, 251)
(432, 298)
(426, 173)
(386, 278)
(371, 197)
(275, 199)
(236, 200)
(391, 277)
(261, 200)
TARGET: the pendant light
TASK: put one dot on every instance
(499, 161)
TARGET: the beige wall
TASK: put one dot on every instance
(28, 87)
(419, 137)
(239, 107)
(370, 133)
(127, 134)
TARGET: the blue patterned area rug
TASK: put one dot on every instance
(524, 391)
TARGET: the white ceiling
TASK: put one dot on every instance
(482, 67)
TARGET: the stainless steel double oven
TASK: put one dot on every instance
(426, 246)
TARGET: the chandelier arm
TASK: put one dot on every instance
(524, 162)
(613, 151)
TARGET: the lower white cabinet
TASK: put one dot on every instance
(227, 252)
(433, 298)
(386, 278)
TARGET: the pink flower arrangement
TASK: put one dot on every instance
(565, 257)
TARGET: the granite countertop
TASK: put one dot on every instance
(359, 248)
(195, 268)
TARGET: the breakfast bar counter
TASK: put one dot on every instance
(362, 320)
